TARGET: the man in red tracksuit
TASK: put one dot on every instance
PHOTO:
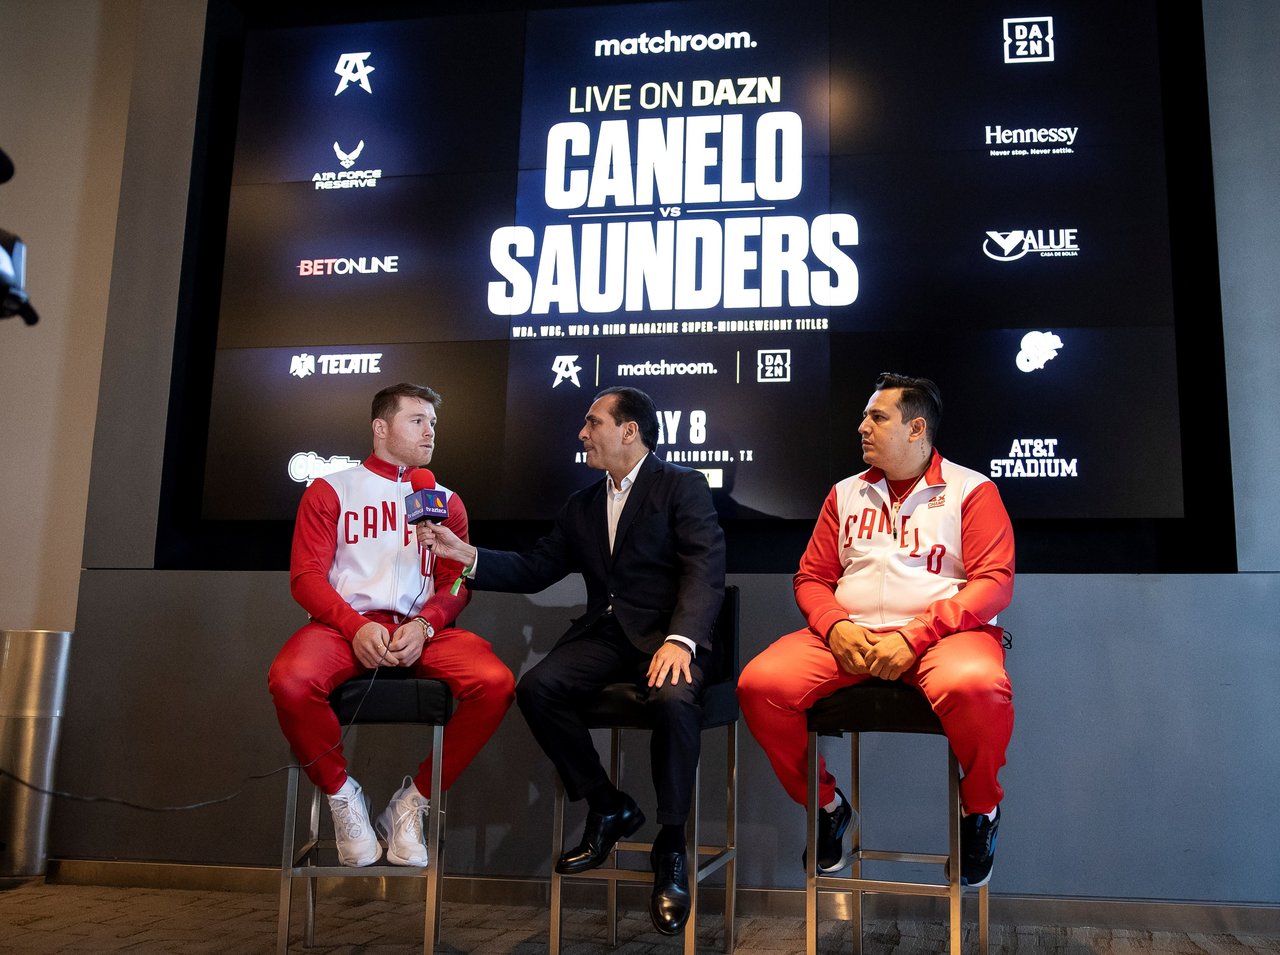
(908, 565)
(378, 599)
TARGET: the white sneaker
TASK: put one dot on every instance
(401, 825)
(357, 843)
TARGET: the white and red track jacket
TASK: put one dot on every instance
(949, 568)
(353, 551)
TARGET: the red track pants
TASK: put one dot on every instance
(962, 675)
(316, 659)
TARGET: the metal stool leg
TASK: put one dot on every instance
(692, 837)
(431, 919)
(731, 835)
(811, 854)
(313, 839)
(286, 861)
(855, 840)
(557, 846)
(615, 776)
(984, 924)
(954, 888)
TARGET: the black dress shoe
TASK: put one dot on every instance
(669, 904)
(599, 836)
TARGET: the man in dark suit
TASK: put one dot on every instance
(647, 543)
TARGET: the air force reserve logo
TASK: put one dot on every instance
(353, 69)
(347, 160)
(566, 366)
(1028, 40)
(348, 178)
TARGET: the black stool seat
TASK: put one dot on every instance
(876, 706)
(395, 696)
(623, 705)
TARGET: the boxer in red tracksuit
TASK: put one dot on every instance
(376, 598)
(908, 565)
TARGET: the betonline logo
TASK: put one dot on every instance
(1028, 40)
(305, 364)
(1049, 243)
(675, 43)
(366, 264)
(665, 369)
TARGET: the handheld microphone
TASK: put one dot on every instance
(425, 503)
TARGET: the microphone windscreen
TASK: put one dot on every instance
(6, 167)
(425, 503)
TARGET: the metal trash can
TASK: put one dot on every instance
(33, 679)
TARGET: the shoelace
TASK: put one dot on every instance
(346, 815)
(411, 820)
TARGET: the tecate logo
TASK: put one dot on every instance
(303, 365)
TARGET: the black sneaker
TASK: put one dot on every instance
(977, 848)
(831, 829)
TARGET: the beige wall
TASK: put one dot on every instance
(65, 71)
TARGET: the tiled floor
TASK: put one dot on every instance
(41, 919)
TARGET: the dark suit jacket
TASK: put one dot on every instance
(666, 572)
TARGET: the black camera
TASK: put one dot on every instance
(13, 266)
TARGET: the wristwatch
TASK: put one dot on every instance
(428, 630)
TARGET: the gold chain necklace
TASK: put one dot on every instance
(895, 503)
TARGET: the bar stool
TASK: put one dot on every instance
(881, 706)
(394, 696)
(621, 705)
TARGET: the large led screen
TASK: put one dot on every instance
(748, 210)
